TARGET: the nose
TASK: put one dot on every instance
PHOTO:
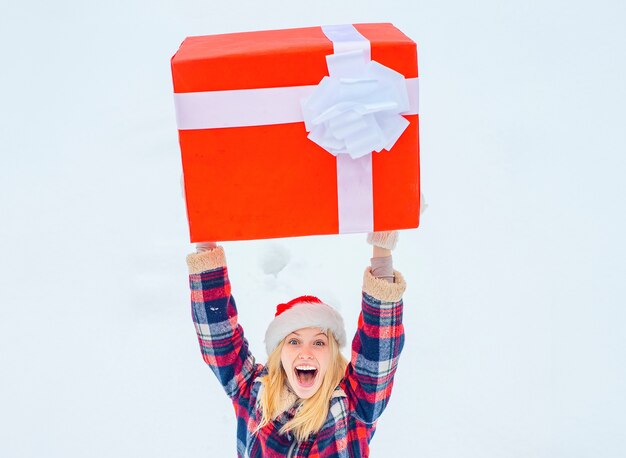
(305, 356)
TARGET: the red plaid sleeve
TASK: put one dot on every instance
(376, 347)
(222, 342)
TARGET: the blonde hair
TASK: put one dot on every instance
(311, 415)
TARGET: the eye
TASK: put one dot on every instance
(292, 341)
(320, 343)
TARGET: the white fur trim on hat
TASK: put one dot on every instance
(305, 315)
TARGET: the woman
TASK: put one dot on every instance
(307, 401)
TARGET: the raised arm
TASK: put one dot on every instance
(222, 342)
(379, 338)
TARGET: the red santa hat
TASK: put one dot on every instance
(303, 312)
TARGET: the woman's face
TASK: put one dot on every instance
(305, 357)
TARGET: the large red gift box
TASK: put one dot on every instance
(250, 169)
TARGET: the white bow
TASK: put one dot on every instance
(357, 109)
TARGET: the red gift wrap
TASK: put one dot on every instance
(251, 179)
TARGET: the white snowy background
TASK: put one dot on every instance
(515, 307)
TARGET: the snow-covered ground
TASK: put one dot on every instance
(515, 305)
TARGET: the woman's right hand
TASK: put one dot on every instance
(201, 247)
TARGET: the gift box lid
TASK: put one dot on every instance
(278, 58)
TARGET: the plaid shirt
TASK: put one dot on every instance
(357, 402)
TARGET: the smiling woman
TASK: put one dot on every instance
(307, 400)
(305, 367)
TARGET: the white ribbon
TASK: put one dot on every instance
(253, 107)
(336, 116)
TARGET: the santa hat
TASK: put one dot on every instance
(303, 312)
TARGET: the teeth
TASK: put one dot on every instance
(306, 368)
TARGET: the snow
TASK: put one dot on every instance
(274, 259)
(515, 305)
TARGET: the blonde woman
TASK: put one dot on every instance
(307, 400)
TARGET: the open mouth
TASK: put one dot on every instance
(306, 375)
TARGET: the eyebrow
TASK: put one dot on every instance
(319, 333)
